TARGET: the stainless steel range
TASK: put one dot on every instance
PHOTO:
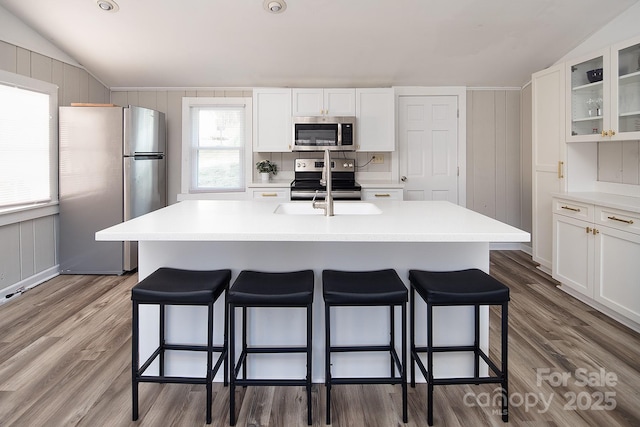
(308, 173)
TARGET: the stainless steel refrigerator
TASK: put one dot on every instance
(112, 169)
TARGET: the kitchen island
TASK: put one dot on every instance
(268, 236)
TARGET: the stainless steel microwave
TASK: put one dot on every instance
(322, 132)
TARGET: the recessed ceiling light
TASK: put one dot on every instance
(275, 6)
(108, 5)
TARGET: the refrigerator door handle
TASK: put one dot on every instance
(147, 156)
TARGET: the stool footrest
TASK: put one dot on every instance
(264, 350)
(481, 354)
(366, 380)
(181, 347)
(171, 380)
(467, 380)
(445, 348)
(270, 382)
(349, 348)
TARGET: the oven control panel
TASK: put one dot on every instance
(316, 165)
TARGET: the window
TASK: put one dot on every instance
(216, 139)
(28, 141)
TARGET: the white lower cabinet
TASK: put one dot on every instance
(596, 251)
(381, 194)
(270, 193)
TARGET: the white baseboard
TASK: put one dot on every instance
(28, 283)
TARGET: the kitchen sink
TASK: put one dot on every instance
(339, 208)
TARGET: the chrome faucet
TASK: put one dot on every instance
(327, 205)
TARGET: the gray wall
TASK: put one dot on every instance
(28, 243)
(494, 155)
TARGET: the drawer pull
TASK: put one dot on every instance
(383, 195)
(589, 229)
(571, 209)
(269, 194)
(626, 221)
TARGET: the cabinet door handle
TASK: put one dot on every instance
(626, 221)
(383, 195)
(571, 209)
(604, 133)
(560, 170)
(589, 230)
(595, 231)
(612, 132)
(269, 194)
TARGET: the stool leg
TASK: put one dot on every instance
(429, 364)
(244, 341)
(225, 339)
(134, 360)
(476, 342)
(161, 339)
(505, 372)
(209, 360)
(327, 358)
(392, 340)
(412, 333)
(232, 373)
(309, 361)
(403, 366)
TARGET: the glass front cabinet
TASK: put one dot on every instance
(603, 99)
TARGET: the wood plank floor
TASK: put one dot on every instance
(65, 361)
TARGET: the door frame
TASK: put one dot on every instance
(461, 93)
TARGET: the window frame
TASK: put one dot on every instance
(188, 163)
(50, 89)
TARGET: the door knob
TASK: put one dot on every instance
(403, 178)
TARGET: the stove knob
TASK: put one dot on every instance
(345, 165)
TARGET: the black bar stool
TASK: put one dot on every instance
(170, 286)
(259, 289)
(366, 288)
(471, 287)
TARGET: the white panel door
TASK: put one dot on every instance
(428, 147)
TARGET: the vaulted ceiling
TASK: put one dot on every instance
(356, 43)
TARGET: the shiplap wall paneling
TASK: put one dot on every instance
(618, 161)
(9, 255)
(526, 171)
(631, 162)
(493, 154)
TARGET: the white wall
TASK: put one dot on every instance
(623, 27)
(17, 33)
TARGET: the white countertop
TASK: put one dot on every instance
(616, 201)
(249, 220)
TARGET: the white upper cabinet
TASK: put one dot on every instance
(625, 90)
(375, 119)
(324, 102)
(603, 100)
(588, 97)
(272, 120)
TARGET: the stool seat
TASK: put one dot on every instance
(472, 286)
(253, 288)
(174, 286)
(363, 287)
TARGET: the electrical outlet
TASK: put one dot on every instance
(378, 158)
